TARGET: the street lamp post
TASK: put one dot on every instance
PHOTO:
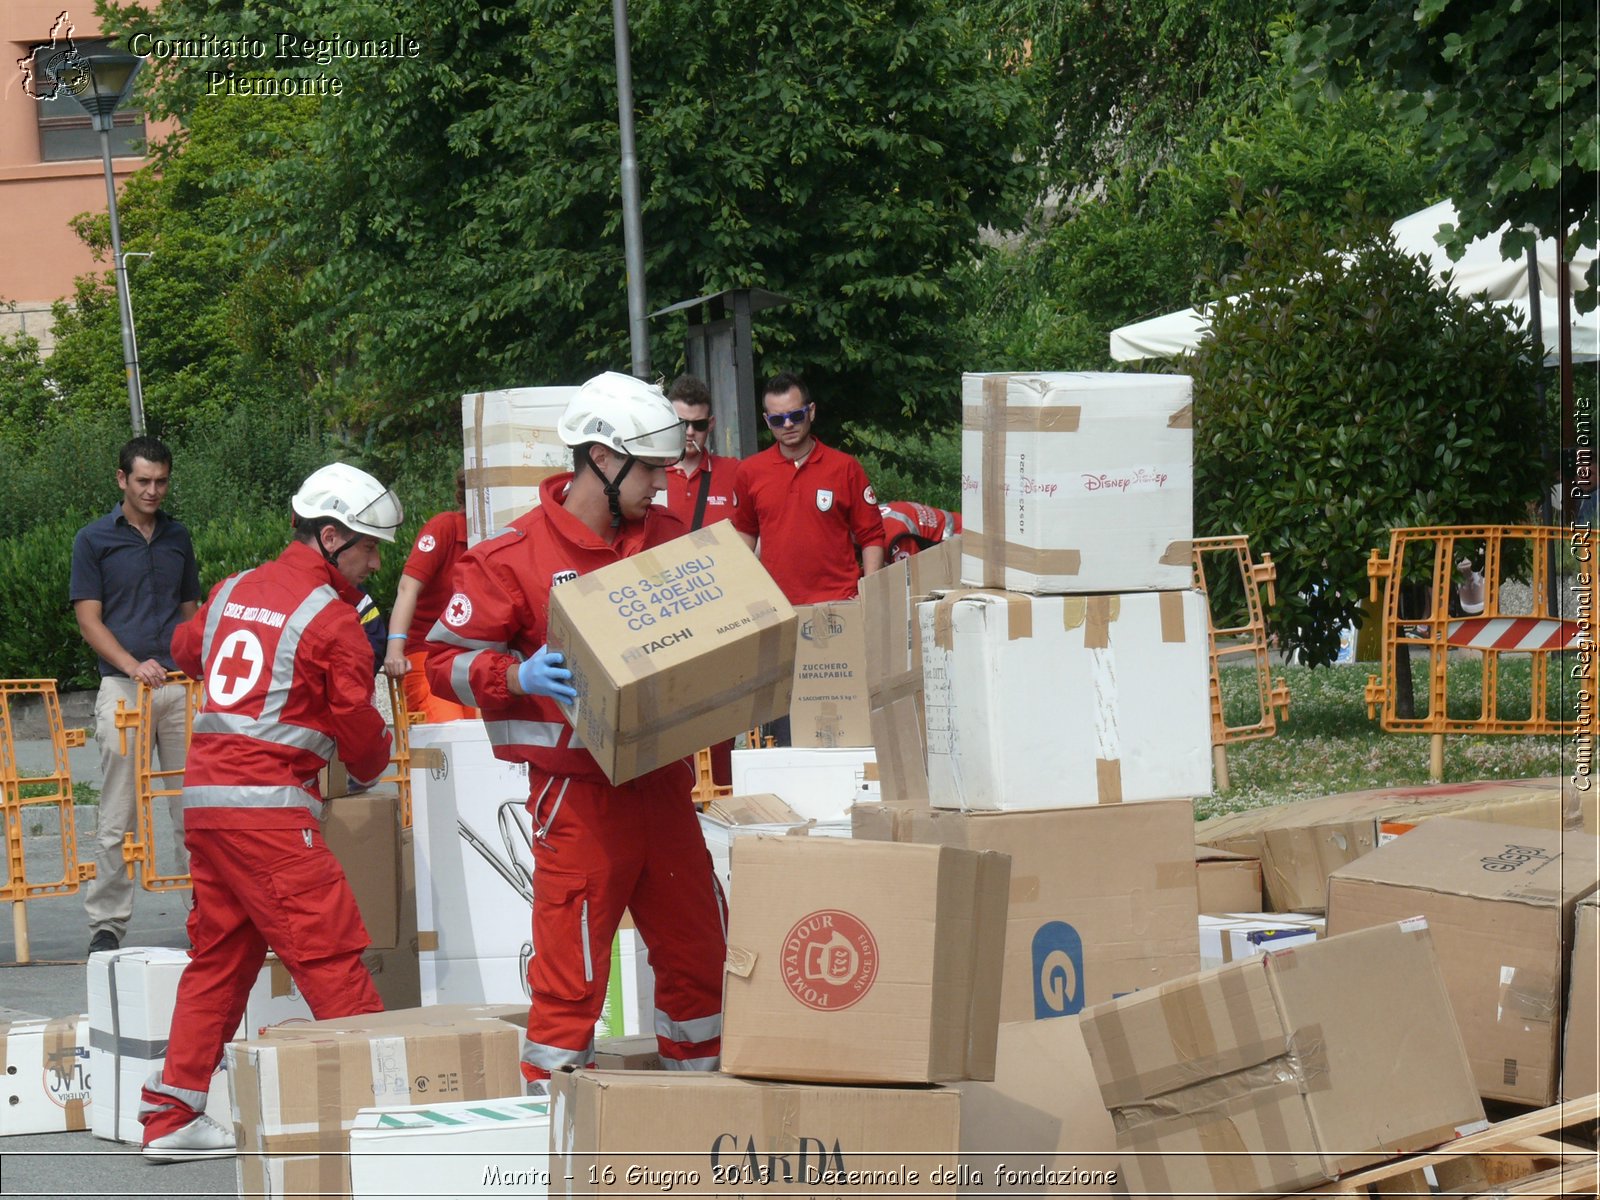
(100, 81)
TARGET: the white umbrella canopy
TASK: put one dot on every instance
(1479, 270)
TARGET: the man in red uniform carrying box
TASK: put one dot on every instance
(597, 849)
(288, 684)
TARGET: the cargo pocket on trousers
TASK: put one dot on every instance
(562, 966)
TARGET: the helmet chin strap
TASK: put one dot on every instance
(333, 559)
(613, 487)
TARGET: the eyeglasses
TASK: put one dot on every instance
(698, 424)
(779, 420)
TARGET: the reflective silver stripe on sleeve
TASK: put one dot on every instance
(689, 1033)
(296, 736)
(691, 1064)
(553, 1058)
(214, 617)
(461, 678)
(195, 1100)
(288, 645)
(444, 634)
(524, 733)
(268, 796)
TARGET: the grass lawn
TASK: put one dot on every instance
(1328, 744)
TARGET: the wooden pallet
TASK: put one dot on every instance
(1523, 1156)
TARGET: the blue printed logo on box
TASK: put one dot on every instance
(1057, 971)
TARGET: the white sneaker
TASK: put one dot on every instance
(200, 1138)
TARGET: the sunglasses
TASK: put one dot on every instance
(698, 424)
(778, 420)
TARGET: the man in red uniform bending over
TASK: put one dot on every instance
(597, 849)
(419, 599)
(288, 684)
(911, 527)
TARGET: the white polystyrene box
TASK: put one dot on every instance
(472, 841)
(465, 1148)
(1077, 482)
(132, 994)
(509, 445)
(1062, 701)
(818, 783)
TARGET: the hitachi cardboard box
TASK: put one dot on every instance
(1058, 701)
(1076, 482)
(1102, 899)
(510, 447)
(634, 1133)
(674, 649)
(1283, 1071)
(1302, 842)
(863, 962)
(1499, 899)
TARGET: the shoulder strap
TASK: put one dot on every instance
(700, 502)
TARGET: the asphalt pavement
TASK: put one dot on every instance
(54, 984)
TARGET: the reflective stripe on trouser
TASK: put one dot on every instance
(255, 888)
(108, 897)
(637, 848)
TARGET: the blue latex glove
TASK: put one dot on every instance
(543, 675)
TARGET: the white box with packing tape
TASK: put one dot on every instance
(510, 447)
(44, 1075)
(1076, 482)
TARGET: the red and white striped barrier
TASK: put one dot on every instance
(1515, 633)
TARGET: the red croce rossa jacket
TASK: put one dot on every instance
(499, 614)
(286, 677)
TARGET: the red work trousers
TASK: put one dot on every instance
(597, 851)
(254, 889)
(420, 700)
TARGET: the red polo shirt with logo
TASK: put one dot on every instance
(810, 519)
(683, 490)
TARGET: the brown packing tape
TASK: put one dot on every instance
(427, 940)
(1108, 780)
(427, 758)
(1182, 419)
(61, 1053)
(480, 498)
(993, 498)
(1308, 1050)
(1063, 418)
(279, 979)
(1106, 1032)
(1178, 554)
(1099, 613)
(329, 1093)
(1019, 616)
(1171, 605)
(1187, 1018)
(1231, 1166)
(1032, 559)
(521, 476)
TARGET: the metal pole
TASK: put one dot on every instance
(130, 355)
(632, 226)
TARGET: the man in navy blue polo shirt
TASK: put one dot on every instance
(134, 579)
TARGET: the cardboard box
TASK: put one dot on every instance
(1282, 1071)
(132, 994)
(363, 832)
(1038, 1129)
(1076, 482)
(1228, 937)
(1302, 842)
(466, 1148)
(1500, 900)
(44, 1075)
(397, 973)
(297, 1097)
(816, 784)
(1128, 714)
(623, 1133)
(674, 649)
(510, 447)
(1229, 882)
(863, 962)
(829, 704)
(642, 1052)
(1102, 899)
(1580, 1069)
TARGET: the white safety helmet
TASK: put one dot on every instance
(351, 497)
(625, 414)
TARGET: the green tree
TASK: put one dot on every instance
(1343, 394)
(1503, 96)
(457, 217)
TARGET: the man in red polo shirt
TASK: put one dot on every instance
(700, 488)
(810, 506)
